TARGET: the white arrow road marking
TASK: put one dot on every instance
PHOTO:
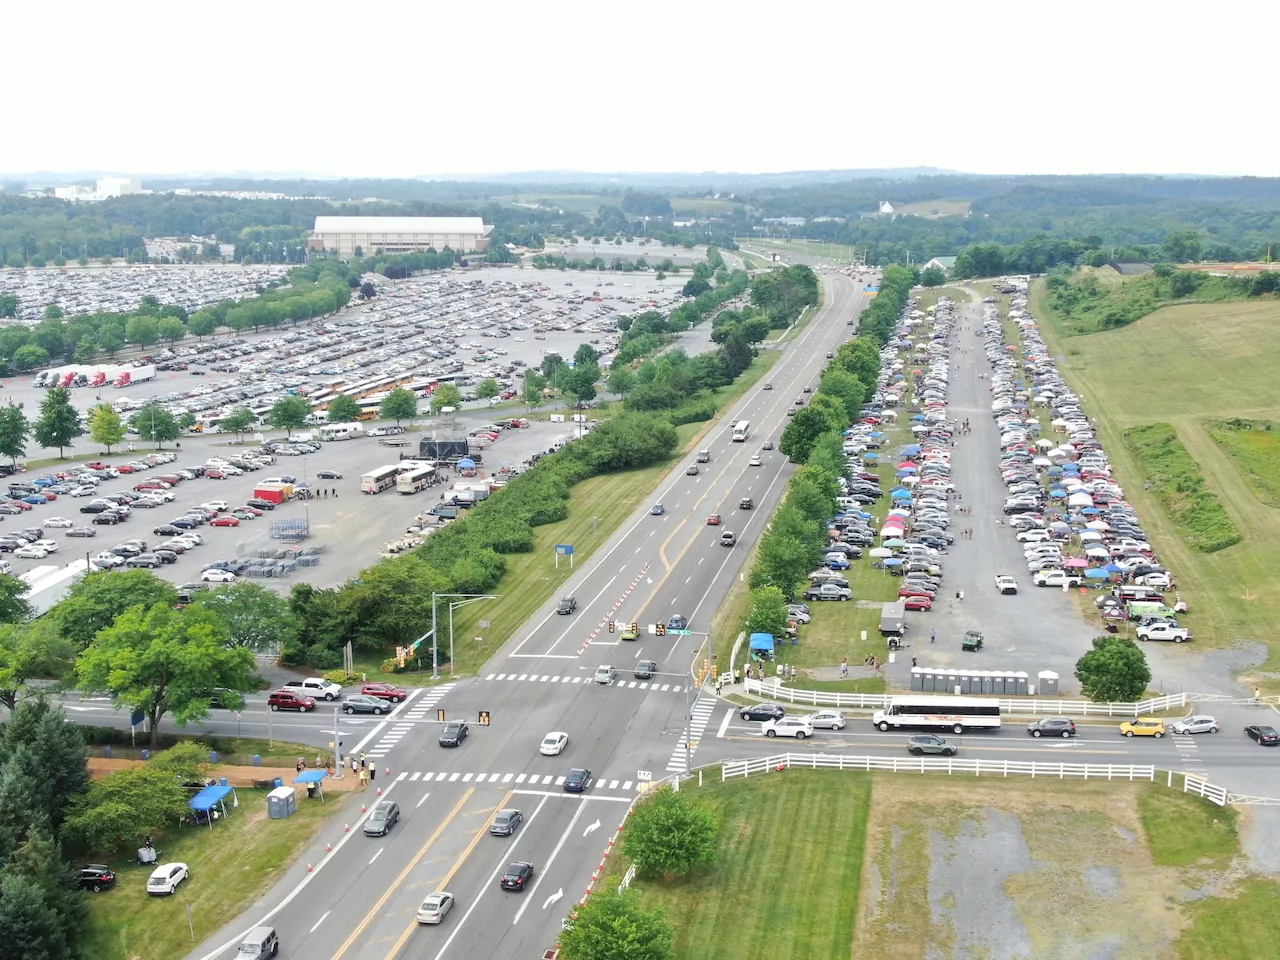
(553, 898)
(594, 826)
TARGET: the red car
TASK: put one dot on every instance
(148, 487)
(224, 521)
(917, 603)
(125, 468)
(910, 591)
(288, 700)
(97, 465)
(48, 495)
(713, 520)
(254, 510)
(19, 504)
(384, 691)
(215, 474)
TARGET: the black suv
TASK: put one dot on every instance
(645, 669)
(382, 818)
(453, 734)
(1052, 727)
(762, 712)
(96, 877)
(567, 605)
(517, 875)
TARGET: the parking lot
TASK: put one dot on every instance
(349, 528)
(457, 326)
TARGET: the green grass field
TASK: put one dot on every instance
(231, 866)
(1254, 447)
(934, 208)
(1191, 366)
(835, 252)
(775, 890)
(702, 207)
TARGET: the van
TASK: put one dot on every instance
(1128, 592)
(259, 944)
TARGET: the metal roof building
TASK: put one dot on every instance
(398, 234)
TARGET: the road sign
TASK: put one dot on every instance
(643, 775)
(136, 718)
(682, 633)
(484, 624)
(564, 549)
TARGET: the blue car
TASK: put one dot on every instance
(35, 499)
(44, 481)
(836, 563)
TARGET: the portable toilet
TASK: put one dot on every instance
(1047, 683)
(282, 803)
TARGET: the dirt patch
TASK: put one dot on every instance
(1007, 870)
(235, 776)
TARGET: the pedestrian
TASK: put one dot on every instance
(844, 668)
(364, 778)
(335, 493)
(913, 661)
(318, 761)
(355, 766)
(933, 636)
(300, 765)
(362, 761)
(793, 671)
(373, 771)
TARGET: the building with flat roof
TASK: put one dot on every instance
(389, 235)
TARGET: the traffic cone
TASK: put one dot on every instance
(388, 772)
(328, 848)
(379, 791)
(309, 868)
(346, 828)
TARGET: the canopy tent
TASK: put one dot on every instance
(1096, 574)
(315, 777)
(211, 802)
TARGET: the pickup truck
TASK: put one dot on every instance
(447, 510)
(317, 687)
(828, 591)
(567, 605)
(1163, 631)
(1055, 578)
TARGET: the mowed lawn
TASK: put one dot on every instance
(1190, 366)
(231, 866)
(786, 880)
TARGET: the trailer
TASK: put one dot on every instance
(274, 492)
(893, 619)
(135, 375)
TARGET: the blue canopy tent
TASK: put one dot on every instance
(208, 805)
(1096, 573)
(467, 467)
(314, 781)
(762, 645)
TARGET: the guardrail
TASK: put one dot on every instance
(998, 768)
(1017, 705)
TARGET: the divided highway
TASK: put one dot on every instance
(360, 902)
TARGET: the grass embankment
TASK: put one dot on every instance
(231, 866)
(1254, 447)
(1191, 367)
(807, 906)
(597, 507)
(238, 752)
(1175, 478)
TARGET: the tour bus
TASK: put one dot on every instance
(411, 481)
(341, 431)
(741, 430)
(930, 712)
(383, 478)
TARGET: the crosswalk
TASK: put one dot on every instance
(1188, 752)
(508, 779)
(579, 678)
(703, 707)
(416, 710)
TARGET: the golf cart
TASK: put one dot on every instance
(972, 641)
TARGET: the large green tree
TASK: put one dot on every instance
(668, 834)
(28, 651)
(399, 404)
(343, 409)
(142, 330)
(256, 618)
(238, 421)
(289, 413)
(445, 395)
(105, 426)
(94, 601)
(58, 423)
(14, 430)
(1114, 671)
(613, 926)
(156, 424)
(768, 613)
(488, 387)
(163, 661)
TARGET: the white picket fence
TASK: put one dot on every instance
(627, 878)
(1222, 796)
(947, 765)
(772, 690)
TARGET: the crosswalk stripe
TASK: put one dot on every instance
(521, 778)
(466, 778)
(507, 777)
(414, 775)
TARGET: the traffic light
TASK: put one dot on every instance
(635, 627)
(440, 715)
(402, 654)
(660, 629)
(613, 625)
(484, 718)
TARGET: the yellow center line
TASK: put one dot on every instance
(373, 912)
(399, 944)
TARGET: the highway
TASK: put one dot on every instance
(360, 902)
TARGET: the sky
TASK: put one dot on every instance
(403, 89)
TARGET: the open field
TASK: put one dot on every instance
(902, 866)
(834, 252)
(934, 208)
(702, 206)
(231, 866)
(1254, 447)
(1190, 366)
(596, 508)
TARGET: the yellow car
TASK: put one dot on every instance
(1143, 727)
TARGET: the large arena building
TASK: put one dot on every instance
(398, 234)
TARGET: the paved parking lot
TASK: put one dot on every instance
(351, 527)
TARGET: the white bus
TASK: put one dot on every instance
(383, 478)
(741, 430)
(955, 713)
(341, 431)
(411, 481)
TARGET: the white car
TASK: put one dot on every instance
(218, 505)
(1034, 535)
(106, 559)
(191, 537)
(553, 743)
(826, 720)
(1006, 584)
(1156, 631)
(1055, 578)
(605, 674)
(798, 727)
(1158, 579)
(165, 878)
(754, 461)
(31, 552)
(48, 546)
(59, 522)
(84, 491)
(435, 907)
(1197, 723)
(218, 576)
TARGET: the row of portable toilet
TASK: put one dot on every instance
(991, 683)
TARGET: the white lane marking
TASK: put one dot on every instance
(376, 855)
(320, 921)
(559, 846)
(422, 801)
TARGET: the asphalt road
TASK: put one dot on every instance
(360, 903)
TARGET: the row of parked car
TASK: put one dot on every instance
(1066, 508)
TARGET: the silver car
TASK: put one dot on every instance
(1197, 723)
(605, 674)
(435, 907)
